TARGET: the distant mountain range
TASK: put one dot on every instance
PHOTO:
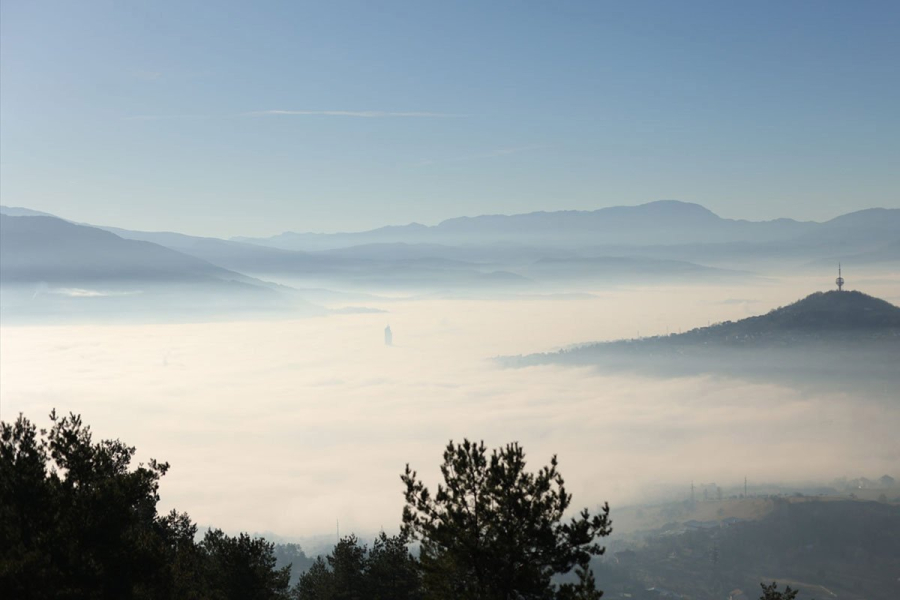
(665, 241)
(665, 222)
(661, 222)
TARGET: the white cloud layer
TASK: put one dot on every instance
(286, 426)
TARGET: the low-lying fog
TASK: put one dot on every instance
(286, 426)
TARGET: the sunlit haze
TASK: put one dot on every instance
(286, 426)
(303, 253)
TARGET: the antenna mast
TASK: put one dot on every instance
(840, 280)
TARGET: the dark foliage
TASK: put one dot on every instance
(494, 530)
(242, 568)
(770, 592)
(292, 555)
(387, 571)
(76, 522)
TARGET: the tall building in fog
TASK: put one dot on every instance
(388, 336)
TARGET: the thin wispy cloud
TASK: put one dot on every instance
(362, 114)
(357, 114)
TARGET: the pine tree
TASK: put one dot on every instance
(494, 530)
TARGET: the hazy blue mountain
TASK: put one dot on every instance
(52, 270)
(427, 265)
(657, 241)
(664, 230)
(413, 233)
(858, 232)
(223, 253)
(661, 222)
(365, 267)
(47, 249)
(57, 252)
(620, 268)
(861, 238)
(889, 253)
(18, 211)
(237, 256)
(471, 253)
(884, 221)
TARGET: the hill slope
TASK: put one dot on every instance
(46, 249)
(819, 315)
(821, 311)
(829, 339)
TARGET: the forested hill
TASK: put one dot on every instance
(819, 315)
(833, 323)
(822, 311)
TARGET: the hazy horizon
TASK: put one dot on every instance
(287, 228)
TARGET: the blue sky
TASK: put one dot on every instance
(222, 118)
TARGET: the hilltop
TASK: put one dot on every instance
(818, 313)
(819, 338)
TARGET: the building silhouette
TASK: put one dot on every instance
(388, 336)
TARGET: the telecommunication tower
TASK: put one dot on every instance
(840, 280)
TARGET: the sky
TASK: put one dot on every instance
(238, 118)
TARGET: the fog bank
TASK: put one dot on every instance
(288, 425)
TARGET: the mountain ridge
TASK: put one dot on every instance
(661, 230)
(664, 219)
(83, 254)
(662, 222)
